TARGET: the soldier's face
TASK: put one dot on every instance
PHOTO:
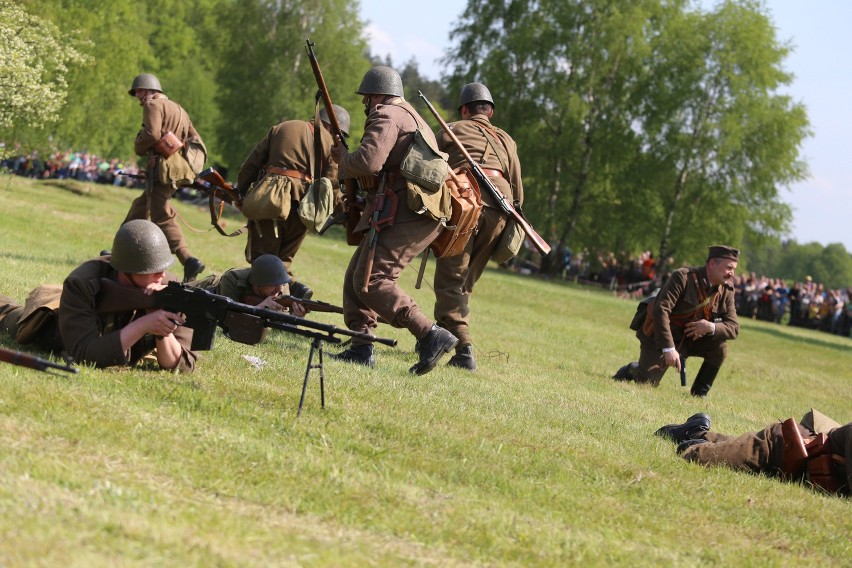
(146, 280)
(266, 291)
(721, 270)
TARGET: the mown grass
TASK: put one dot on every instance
(536, 459)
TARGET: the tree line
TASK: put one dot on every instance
(641, 124)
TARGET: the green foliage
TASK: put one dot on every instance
(264, 75)
(640, 124)
(35, 58)
(536, 459)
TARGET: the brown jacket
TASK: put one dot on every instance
(679, 295)
(289, 145)
(492, 149)
(388, 135)
(94, 338)
(159, 115)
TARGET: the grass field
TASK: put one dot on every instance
(536, 459)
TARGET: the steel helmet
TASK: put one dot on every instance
(268, 270)
(342, 118)
(145, 81)
(474, 92)
(140, 247)
(381, 80)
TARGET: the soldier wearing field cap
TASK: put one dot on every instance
(289, 155)
(497, 155)
(693, 315)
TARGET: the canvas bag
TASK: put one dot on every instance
(268, 198)
(511, 241)
(317, 205)
(425, 169)
(195, 153)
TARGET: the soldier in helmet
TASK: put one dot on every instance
(160, 116)
(388, 135)
(258, 285)
(497, 154)
(288, 155)
(68, 319)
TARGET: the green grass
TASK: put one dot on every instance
(536, 459)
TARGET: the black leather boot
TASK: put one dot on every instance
(360, 354)
(694, 428)
(625, 373)
(704, 379)
(463, 359)
(437, 342)
(192, 268)
(686, 444)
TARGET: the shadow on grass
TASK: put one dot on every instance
(815, 341)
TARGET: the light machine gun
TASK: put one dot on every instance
(205, 311)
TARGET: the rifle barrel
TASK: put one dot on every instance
(483, 180)
(32, 361)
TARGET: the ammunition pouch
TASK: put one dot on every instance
(810, 458)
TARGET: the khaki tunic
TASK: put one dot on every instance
(679, 295)
(762, 452)
(388, 134)
(159, 115)
(94, 338)
(288, 145)
(456, 276)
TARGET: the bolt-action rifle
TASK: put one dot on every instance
(485, 182)
(349, 187)
(205, 311)
(32, 361)
(288, 301)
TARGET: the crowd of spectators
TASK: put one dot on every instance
(81, 166)
(804, 304)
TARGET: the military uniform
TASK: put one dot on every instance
(388, 134)
(88, 336)
(234, 284)
(288, 146)
(160, 115)
(680, 295)
(763, 452)
(455, 276)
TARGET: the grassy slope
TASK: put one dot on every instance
(536, 459)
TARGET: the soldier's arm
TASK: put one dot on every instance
(666, 300)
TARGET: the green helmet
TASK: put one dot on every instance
(140, 247)
(145, 81)
(473, 92)
(381, 80)
(268, 270)
(342, 118)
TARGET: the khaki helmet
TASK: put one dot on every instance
(342, 118)
(473, 92)
(381, 80)
(145, 81)
(268, 270)
(140, 247)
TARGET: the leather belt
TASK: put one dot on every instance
(289, 173)
(492, 173)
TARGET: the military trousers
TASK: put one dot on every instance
(455, 276)
(164, 215)
(396, 247)
(652, 364)
(280, 237)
